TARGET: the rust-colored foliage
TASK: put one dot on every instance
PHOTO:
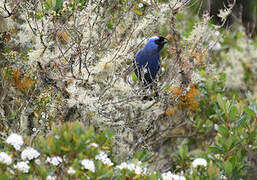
(187, 100)
(169, 112)
(22, 82)
(200, 57)
(6, 36)
(63, 36)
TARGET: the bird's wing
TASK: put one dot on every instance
(141, 58)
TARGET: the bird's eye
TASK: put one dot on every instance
(158, 42)
(161, 38)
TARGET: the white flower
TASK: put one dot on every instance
(29, 153)
(138, 170)
(216, 127)
(199, 162)
(140, 5)
(5, 158)
(56, 160)
(22, 166)
(132, 167)
(169, 176)
(71, 171)
(217, 33)
(11, 171)
(122, 166)
(94, 145)
(104, 158)
(49, 177)
(88, 164)
(15, 140)
(223, 177)
(38, 162)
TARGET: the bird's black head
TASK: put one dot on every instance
(160, 40)
(155, 44)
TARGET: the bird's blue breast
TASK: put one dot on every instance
(149, 61)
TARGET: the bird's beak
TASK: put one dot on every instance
(165, 41)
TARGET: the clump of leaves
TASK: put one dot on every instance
(186, 99)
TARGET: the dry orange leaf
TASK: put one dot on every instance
(107, 66)
(189, 99)
(63, 36)
(169, 112)
(23, 83)
(200, 56)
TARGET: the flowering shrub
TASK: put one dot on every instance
(79, 154)
(15, 140)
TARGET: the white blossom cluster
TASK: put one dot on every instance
(5, 158)
(132, 167)
(148, 2)
(15, 140)
(49, 177)
(199, 162)
(169, 176)
(104, 158)
(93, 145)
(22, 166)
(56, 160)
(71, 171)
(29, 153)
(88, 164)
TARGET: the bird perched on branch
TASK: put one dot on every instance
(147, 61)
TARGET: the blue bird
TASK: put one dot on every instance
(147, 61)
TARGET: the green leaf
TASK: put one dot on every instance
(223, 77)
(183, 152)
(110, 25)
(233, 112)
(142, 155)
(59, 5)
(228, 168)
(138, 12)
(252, 135)
(223, 131)
(12, 115)
(216, 150)
(249, 111)
(221, 102)
(241, 122)
(209, 84)
(228, 143)
(228, 103)
(134, 77)
(49, 4)
(82, 2)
